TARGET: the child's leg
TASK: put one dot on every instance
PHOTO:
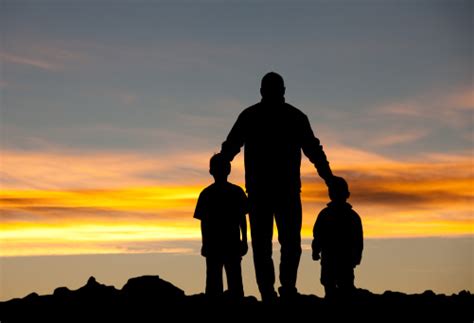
(328, 281)
(214, 285)
(234, 277)
(345, 281)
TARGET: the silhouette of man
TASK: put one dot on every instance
(274, 133)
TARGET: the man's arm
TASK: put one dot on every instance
(235, 140)
(314, 151)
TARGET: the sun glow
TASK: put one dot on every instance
(394, 199)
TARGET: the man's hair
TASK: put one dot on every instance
(272, 80)
(218, 162)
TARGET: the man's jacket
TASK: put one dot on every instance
(274, 133)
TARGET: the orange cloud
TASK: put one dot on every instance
(397, 138)
(69, 170)
(83, 203)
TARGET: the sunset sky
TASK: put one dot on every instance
(110, 111)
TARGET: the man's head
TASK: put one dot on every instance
(272, 87)
(219, 167)
(338, 189)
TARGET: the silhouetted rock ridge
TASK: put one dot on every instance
(152, 299)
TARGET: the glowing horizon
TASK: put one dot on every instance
(394, 198)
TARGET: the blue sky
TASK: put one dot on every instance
(106, 75)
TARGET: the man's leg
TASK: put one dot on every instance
(214, 285)
(261, 230)
(233, 272)
(288, 219)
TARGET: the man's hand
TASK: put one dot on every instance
(329, 181)
(244, 248)
(316, 256)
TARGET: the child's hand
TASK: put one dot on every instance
(244, 247)
(316, 256)
(355, 261)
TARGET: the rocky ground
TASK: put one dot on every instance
(151, 299)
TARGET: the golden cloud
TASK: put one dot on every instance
(428, 197)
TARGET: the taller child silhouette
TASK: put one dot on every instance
(274, 133)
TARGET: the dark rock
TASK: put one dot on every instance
(31, 296)
(149, 298)
(463, 293)
(94, 289)
(429, 293)
(152, 288)
(62, 292)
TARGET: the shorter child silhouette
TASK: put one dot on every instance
(338, 237)
(222, 207)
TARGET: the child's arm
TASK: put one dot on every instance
(359, 239)
(243, 243)
(316, 244)
(204, 236)
(200, 214)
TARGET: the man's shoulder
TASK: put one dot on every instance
(295, 114)
(251, 109)
(257, 111)
(259, 105)
(294, 110)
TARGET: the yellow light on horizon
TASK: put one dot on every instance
(61, 221)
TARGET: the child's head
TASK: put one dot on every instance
(338, 189)
(219, 167)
